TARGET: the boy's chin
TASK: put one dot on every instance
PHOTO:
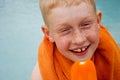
(82, 58)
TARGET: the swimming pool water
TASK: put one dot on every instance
(20, 34)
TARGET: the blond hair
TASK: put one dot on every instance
(47, 5)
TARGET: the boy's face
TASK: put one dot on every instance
(75, 31)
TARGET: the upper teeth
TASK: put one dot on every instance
(79, 50)
(83, 49)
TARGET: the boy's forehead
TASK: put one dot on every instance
(63, 14)
(73, 7)
(83, 6)
(51, 4)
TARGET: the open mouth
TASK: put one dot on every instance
(80, 51)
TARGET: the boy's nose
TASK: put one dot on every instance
(78, 38)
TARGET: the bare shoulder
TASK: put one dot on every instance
(36, 73)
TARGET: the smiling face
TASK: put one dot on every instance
(74, 30)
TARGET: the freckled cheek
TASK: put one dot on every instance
(93, 37)
(62, 44)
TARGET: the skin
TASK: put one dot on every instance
(76, 28)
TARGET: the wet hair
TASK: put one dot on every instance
(47, 5)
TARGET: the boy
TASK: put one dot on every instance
(73, 32)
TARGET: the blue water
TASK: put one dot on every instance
(20, 34)
(111, 16)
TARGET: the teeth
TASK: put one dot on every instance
(80, 50)
(83, 49)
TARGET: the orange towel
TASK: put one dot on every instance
(54, 66)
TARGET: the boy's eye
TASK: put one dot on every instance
(65, 30)
(85, 24)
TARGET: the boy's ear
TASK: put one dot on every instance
(46, 32)
(99, 17)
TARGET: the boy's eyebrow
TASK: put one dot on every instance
(88, 18)
(62, 25)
